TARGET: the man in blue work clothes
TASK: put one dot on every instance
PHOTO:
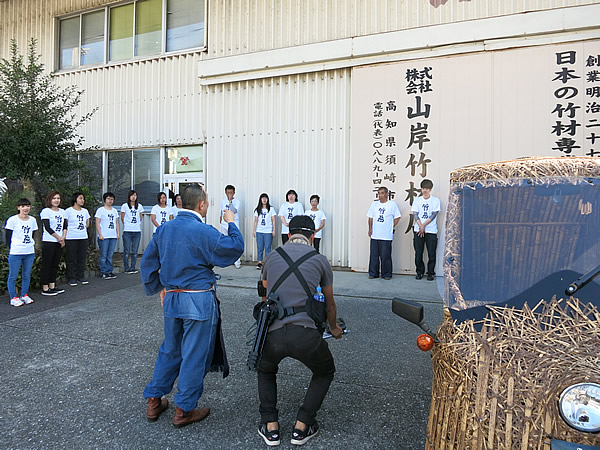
(178, 263)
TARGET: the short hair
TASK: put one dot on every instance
(426, 184)
(23, 202)
(159, 195)
(315, 196)
(291, 191)
(230, 186)
(303, 225)
(75, 196)
(192, 195)
(49, 198)
(384, 189)
(106, 195)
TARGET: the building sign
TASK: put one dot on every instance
(424, 118)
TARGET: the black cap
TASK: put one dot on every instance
(301, 223)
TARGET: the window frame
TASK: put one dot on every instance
(106, 61)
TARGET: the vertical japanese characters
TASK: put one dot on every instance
(384, 144)
(592, 107)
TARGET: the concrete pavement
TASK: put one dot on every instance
(74, 368)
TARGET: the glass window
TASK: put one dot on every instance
(91, 174)
(119, 175)
(69, 43)
(184, 159)
(148, 26)
(185, 24)
(92, 38)
(121, 32)
(146, 176)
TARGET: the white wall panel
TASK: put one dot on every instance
(239, 26)
(277, 134)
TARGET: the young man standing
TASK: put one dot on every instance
(383, 216)
(230, 204)
(425, 210)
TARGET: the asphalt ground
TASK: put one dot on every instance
(74, 367)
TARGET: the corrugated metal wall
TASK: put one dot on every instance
(278, 134)
(240, 26)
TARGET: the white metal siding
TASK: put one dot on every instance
(278, 134)
(239, 26)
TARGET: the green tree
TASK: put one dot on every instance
(38, 122)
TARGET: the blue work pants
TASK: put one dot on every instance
(131, 243)
(107, 248)
(380, 256)
(15, 262)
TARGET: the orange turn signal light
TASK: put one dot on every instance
(425, 342)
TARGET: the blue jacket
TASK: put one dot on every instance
(183, 252)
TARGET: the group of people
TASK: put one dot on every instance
(181, 271)
(68, 230)
(384, 215)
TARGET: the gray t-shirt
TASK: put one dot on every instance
(316, 270)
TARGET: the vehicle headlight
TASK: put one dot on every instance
(579, 406)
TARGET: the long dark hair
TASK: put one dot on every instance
(259, 207)
(129, 194)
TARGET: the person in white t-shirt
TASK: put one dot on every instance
(288, 210)
(177, 205)
(76, 241)
(264, 227)
(131, 215)
(161, 213)
(318, 218)
(107, 227)
(53, 241)
(383, 216)
(230, 204)
(425, 210)
(19, 236)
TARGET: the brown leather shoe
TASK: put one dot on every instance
(156, 406)
(183, 418)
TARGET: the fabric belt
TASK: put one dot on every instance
(212, 288)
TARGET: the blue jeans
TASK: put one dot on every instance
(187, 352)
(107, 248)
(131, 242)
(380, 256)
(14, 264)
(264, 241)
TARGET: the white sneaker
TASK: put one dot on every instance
(27, 299)
(16, 302)
(238, 264)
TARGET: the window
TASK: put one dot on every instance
(119, 175)
(146, 175)
(135, 29)
(91, 174)
(184, 159)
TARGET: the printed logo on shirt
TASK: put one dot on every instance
(381, 213)
(59, 224)
(163, 217)
(80, 218)
(263, 217)
(425, 211)
(26, 231)
(312, 216)
(111, 223)
(290, 213)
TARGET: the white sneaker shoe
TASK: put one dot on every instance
(16, 302)
(27, 299)
(238, 264)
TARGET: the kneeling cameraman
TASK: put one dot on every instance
(296, 335)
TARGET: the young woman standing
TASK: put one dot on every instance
(264, 227)
(76, 242)
(161, 213)
(53, 241)
(131, 215)
(292, 207)
(19, 235)
(107, 227)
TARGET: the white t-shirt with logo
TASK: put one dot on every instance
(288, 211)
(425, 208)
(317, 217)
(76, 223)
(383, 215)
(162, 215)
(57, 222)
(108, 221)
(265, 221)
(133, 217)
(21, 242)
(234, 206)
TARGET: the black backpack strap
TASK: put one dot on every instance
(293, 267)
